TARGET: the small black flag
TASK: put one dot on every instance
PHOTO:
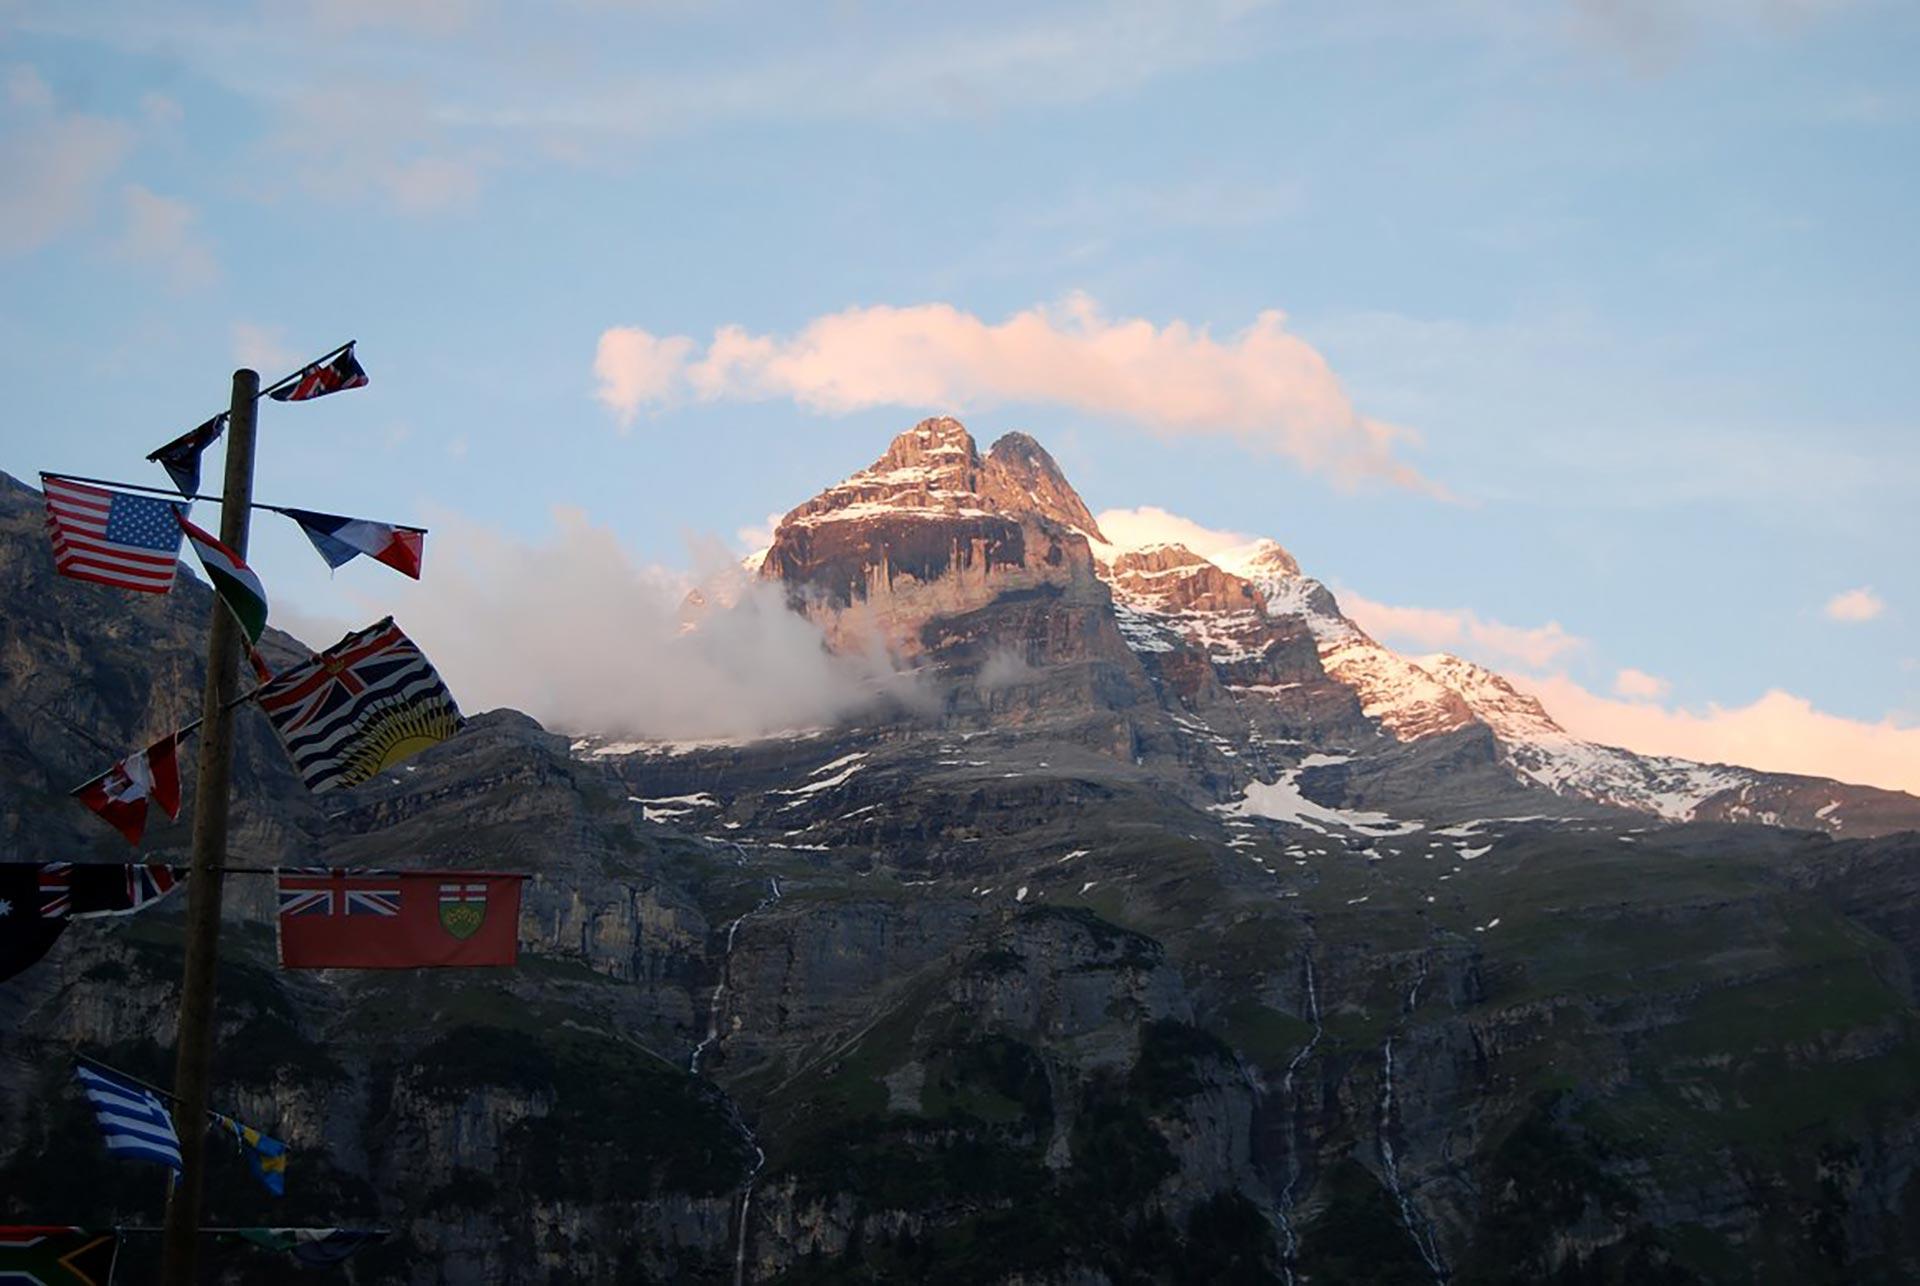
(181, 457)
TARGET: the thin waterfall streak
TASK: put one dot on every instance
(1410, 1217)
(693, 1068)
(1290, 1250)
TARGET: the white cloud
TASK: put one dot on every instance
(1152, 525)
(161, 233)
(1460, 630)
(758, 536)
(1639, 685)
(1779, 732)
(637, 370)
(1263, 387)
(576, 632)
(1855, 606)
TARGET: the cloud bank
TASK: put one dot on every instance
(1263, 387)
(577, 633)
(1779, 732)
(1461, 630)
(1152, 525)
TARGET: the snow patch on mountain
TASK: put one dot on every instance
(1282, 800)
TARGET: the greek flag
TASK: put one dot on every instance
(133, 1119)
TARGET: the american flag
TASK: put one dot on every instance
(320, 890)
(112, 537)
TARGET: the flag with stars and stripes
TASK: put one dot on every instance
(112, 537)
(132, 1119)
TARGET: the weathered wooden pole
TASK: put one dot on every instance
(194, 1039)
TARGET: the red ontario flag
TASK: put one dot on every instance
(355, 919)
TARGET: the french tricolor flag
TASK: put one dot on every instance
(341, 540)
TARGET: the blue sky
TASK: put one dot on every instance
(1637, 273)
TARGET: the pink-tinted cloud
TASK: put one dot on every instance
(1779, 732)
(1639, 685)
(639, 370)
(1460, 630)
(1152, 525)
(1263, 386)
(1855, 606)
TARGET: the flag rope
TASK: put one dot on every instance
(281, 870)
(171, 494)
(208, 1229)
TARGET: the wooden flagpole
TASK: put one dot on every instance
(193, 1053)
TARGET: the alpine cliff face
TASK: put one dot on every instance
(927, 551)
(1182, 933)
(932, 530)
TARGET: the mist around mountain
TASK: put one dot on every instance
(1144, 922)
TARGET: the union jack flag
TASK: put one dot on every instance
(56, 888)
(320, 890)
(322, 378)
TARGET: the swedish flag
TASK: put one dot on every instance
(266, 1156)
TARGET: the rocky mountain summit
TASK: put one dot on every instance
(933, 532)
(1178, 932)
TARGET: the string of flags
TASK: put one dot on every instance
(343, 716)
(328, 918)
(112, 534)
(136, 1125)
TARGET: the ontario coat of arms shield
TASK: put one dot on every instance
(463, 909)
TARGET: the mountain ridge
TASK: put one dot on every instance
(932, 508)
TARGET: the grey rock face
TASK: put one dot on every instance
(1142, 953)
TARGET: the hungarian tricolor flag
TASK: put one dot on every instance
(322, 378)
(341, 540)
(233, 580)
(357, 919)
(120, 794)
